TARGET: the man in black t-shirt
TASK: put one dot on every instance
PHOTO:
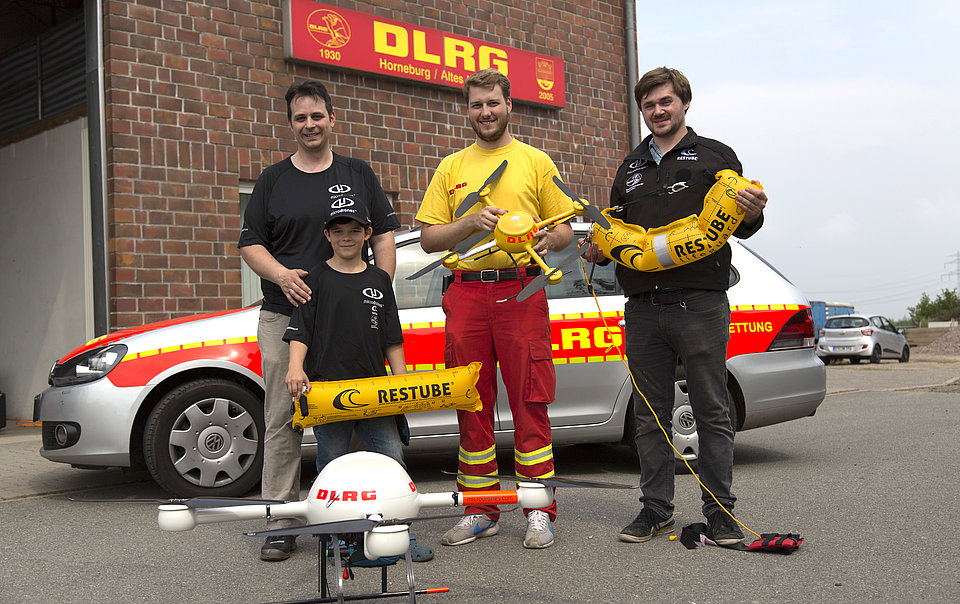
(282, 235)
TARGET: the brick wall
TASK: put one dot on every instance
(194, 108)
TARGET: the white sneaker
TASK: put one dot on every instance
(539, 532)
(469, 529)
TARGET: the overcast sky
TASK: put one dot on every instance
(846, 112)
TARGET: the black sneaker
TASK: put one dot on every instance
(645, 526)
(722, 529)
(278, 548)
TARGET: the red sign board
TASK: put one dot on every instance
(320, 33)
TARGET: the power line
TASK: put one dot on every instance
(956, 273)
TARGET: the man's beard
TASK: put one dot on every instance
(496, 134)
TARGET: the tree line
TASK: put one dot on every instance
(945, 307)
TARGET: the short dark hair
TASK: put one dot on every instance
(487, 78)
(310, 88)
(663, 75)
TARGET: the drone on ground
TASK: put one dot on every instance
(365, 494)
(516, 232)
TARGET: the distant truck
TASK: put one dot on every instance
(824, 310)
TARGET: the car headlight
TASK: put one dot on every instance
(88, 366)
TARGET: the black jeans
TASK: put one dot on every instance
(696, 329)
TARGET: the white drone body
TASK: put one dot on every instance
(367, 487)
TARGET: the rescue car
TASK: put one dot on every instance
(184, 397)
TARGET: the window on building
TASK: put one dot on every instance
(249, 280)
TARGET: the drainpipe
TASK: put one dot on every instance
(633, 74)
(96, 151)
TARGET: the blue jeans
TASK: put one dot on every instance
(379, 435)
(695, 330)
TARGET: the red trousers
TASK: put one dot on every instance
(517, 336)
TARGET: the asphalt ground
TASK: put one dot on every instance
(869, 482)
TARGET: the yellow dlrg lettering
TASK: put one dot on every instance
(493, 57)
(454, 49)
(579, 336)
(420, 48)
(605, 337)
(390, 39)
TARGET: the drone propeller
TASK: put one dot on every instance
(541, 281)
(553, 481)
(472, 198)
(459, 248)
(193, 503)
(358, 525)
(590, 212)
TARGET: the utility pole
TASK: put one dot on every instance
(956, 272)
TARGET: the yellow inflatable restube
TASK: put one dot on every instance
(329, 402)
(682, 241)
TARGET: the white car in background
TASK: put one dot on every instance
(184, 397)
(861, 336)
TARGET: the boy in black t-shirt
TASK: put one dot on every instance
(344, 332)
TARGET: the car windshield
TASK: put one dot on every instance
(427, 290)
(845, 322)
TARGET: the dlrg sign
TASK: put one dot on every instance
(395, 40)
(320, 33)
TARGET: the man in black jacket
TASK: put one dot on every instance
(681, 312)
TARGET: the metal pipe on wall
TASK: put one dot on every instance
(633, 74)
(96, 150)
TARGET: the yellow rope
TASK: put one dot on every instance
(623, 359)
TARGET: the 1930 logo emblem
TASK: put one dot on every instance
(328, 28)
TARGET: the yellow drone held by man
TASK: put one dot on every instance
(516, 232)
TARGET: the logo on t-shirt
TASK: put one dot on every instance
(374, 296)
(339, 189)
(688, 154)
(634, 181)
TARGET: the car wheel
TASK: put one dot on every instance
(905, 355)
(876, 355)
(204, 439)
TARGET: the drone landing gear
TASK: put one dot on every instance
(345, 571)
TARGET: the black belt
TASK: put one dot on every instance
(491, 275)
(663, 297)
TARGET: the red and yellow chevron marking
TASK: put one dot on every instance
(576, 338)
(753, 326)
(584, 338)
(138, 368)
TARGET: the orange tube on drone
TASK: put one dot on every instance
(488, 497)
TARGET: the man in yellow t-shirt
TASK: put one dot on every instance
(478, 327)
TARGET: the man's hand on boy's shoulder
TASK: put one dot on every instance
(291, 283)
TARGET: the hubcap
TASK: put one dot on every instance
(213, 442)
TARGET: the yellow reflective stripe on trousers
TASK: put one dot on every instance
(533, 457)
(549, 474)
(476, 458)
(477, 482)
